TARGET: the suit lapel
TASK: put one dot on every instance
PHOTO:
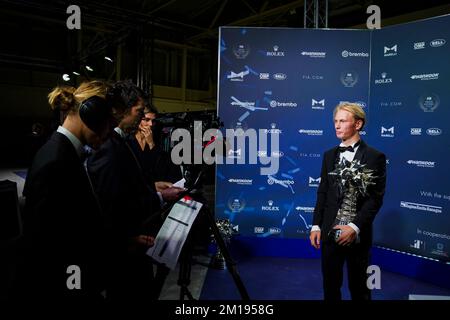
(361, 152)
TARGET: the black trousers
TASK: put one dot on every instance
(357, 258)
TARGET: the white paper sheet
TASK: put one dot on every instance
(173, 233)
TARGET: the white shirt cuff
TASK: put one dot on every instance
(315, 228)
(354, 227)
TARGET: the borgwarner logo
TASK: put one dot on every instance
(387, 132)
(270, 207)
(289, 104)
(318, 104)
(434, 131)
(384, 79)
(420, 206)
(422, 164)
(244, 182)
(346, 54)
(314, 182)
(311, 132)
(314, 54)
(275, 53)
(427, 76)
(437, 43)
(390, 51)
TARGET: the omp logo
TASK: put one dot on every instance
(238, 76)
(387, 132)
(437, 43)
(279, 76)
(311, 132)
(314, 54)
(423, 164)
(275, 53)
(318, 104)
(420, 206)
(259, 230)
(416, 131)
(346, 54)
(264, 76)
(419, 45)
(390, 51)
(314, 182)
(427, 76)
(434, 131)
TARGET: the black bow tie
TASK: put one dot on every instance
(343, 149)
(349, 148)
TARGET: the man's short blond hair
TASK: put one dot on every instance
(353, 108)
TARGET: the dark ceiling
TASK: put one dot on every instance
(34, 32)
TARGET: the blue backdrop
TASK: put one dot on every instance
(287, 83)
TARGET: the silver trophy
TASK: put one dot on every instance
(352, 179)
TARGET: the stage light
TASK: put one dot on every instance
(75, 73)
(89, 68)
(66, 77)
(109, 59)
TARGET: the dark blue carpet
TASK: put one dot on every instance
(268, 278)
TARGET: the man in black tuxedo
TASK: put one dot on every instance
(127, 199)
(63, 223)
(355, 240)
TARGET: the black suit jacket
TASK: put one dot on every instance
(123, 192)
(156, 163)
(63, 225)
(328, 198)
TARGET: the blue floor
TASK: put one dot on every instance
(268, 278)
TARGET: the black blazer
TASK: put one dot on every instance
(63, 225)
(328, 198)
(123, 192)
(156, 163)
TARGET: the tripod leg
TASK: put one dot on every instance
(231, 265)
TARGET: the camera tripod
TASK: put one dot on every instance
(185, 260)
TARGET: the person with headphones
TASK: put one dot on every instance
(65, 231)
